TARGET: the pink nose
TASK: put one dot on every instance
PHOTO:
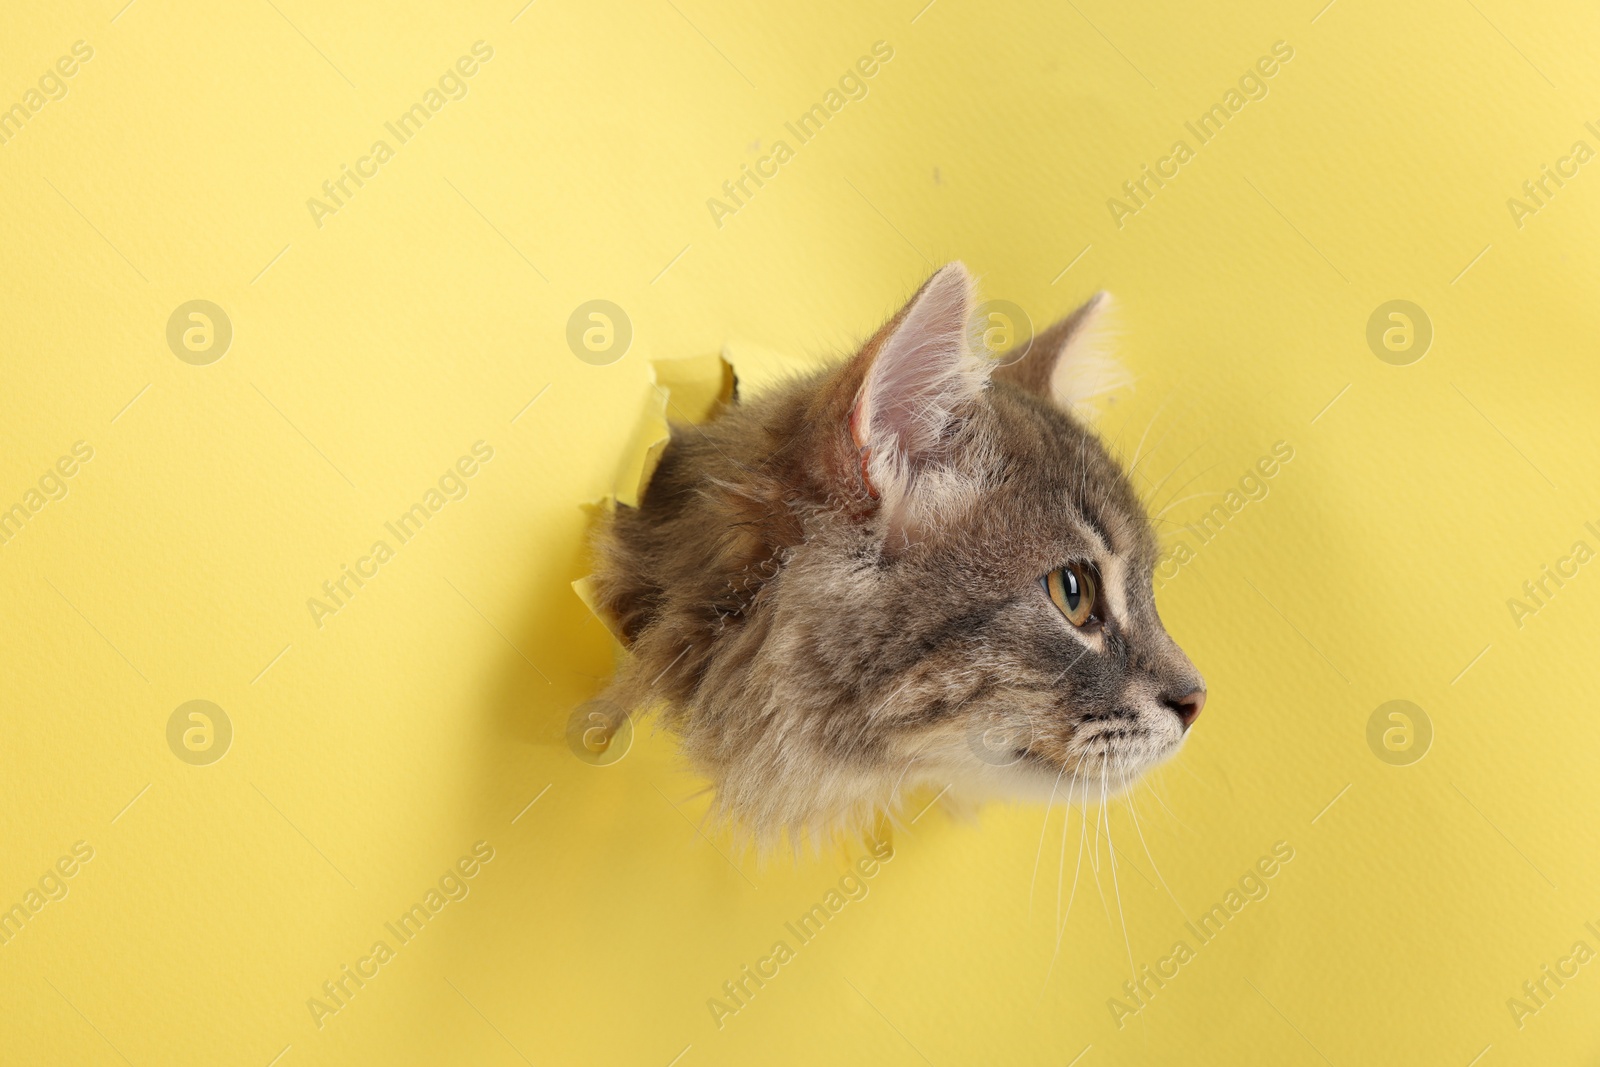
(1187, 707)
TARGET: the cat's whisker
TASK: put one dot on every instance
(1156, 448)
(1134, 812)
(1183, 500)
(1061, 861)
(1161, 778)
(1094, 853)
(1186, 770)
(1083, 465)
(1139, 454)
(1156, 489)
(1040, 850)
(1116, 890)
(1061, 866)
(1192, 479)
(1083, 829)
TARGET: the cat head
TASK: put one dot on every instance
(1004, 592)
(917, 567)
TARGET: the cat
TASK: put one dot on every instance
(917, 567)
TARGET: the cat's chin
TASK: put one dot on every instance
(1039, 780)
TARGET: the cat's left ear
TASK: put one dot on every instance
(922, 375)
(1071, 363)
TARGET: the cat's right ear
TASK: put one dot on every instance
(922, 374)
(1071, 363)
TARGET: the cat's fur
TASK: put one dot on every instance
(833, 593)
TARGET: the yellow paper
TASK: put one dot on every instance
(374, 324)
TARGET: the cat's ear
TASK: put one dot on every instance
(1071, 363)
(923, 374)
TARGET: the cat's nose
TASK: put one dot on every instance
(1187, 707)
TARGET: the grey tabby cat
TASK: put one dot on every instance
(918, 567)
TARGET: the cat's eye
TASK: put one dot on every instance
(1072, 590)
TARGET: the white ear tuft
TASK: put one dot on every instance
(1071, 363)
(1086, 369)
(922, 376)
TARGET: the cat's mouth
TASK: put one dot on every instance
(1119, 765)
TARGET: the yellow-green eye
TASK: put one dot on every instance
(1071, 589)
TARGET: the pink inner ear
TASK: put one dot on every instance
(922, 373)
(859, 436)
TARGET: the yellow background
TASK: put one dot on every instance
(368, 354)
